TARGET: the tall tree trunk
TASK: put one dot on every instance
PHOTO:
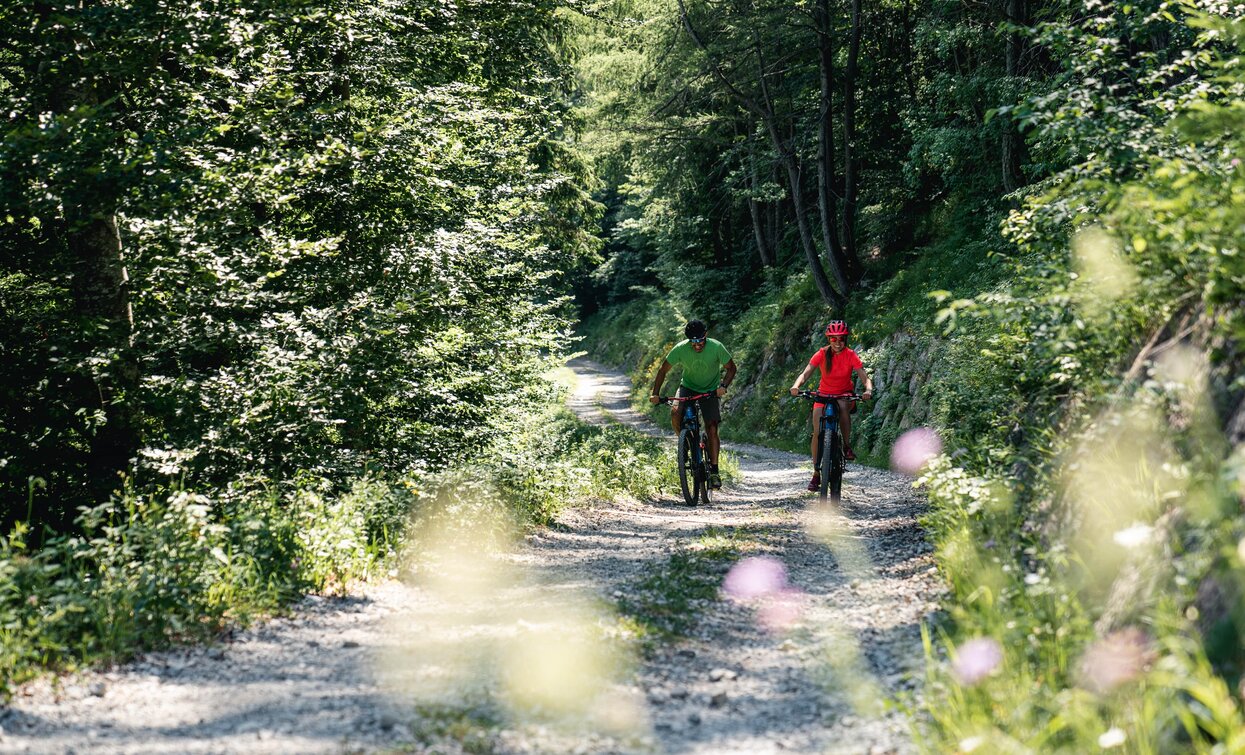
(828, 293)
(1013, 144)
(101, 300)
(99, 282)
(849, 144)
(777, 215)
(764, 110)
(754, 209)
(834, 295)
(827, 202)
(908, 55)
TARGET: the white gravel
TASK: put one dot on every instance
(437, 667)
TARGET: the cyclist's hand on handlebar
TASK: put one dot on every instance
(654, 399)
(795, 390)
(867, 395)
(720, 392)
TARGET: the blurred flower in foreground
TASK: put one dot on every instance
(781, 610)
(969, 744)
(754, 577)
(482, 632)
(1113, 737)
(976, 659)
(914, 449)
(1118, 658)
(1104, 273)
(1134, 536)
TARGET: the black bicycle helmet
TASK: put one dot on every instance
(695, 329)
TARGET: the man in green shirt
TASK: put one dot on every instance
(702, 359)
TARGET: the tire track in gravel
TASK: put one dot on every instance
(412, 668)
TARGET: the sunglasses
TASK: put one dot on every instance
(835, 339)
(697, 340)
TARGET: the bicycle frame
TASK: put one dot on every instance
(829, 468)
(691, 421)
(694, 469)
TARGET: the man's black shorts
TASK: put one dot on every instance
(710, 407)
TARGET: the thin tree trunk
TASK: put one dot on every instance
(99, 287)
(827, 202)
(764, 110)
(835, 296)
(909, 56)
(1013, 145)
(849, 144)
(832, 297)
(777, 213)
(754, 209)
(101, 299)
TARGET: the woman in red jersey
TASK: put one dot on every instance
(838, 365)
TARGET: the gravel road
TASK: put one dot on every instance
(512, 651)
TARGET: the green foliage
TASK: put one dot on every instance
(346, 231)
(1137, 243)
(560, 459)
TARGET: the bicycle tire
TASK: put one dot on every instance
(825, 450)
(837, 463)
(702, 476)
(687, 469)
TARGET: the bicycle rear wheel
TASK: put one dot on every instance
(836, 467)
(687, 467)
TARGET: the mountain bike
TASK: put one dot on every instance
(693, 457)
(830, 459)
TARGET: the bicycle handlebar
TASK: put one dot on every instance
(817, 396)
(677, 399)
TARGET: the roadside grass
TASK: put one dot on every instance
(472, 730)
(668, 603)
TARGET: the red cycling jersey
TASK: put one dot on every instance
(838, 378)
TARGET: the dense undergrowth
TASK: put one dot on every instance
(158, 566)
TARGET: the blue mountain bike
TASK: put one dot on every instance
(830, 461)
(693, 457)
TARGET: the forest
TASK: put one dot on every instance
(276, 274)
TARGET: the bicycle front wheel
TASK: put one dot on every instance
(837, 463)
(687, 467)
(826, 466)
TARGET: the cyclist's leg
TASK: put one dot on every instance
(711, 431)
(817, 412)
(711, 413)
(845, 423)
(676, 412)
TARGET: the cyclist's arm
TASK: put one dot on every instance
(801, 380)
(728, 378)
(868, 381)
(655, 394)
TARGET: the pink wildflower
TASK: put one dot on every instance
(754, 577)
(914, 449)
(976, 659)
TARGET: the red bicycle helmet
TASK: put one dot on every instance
(836, 328)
